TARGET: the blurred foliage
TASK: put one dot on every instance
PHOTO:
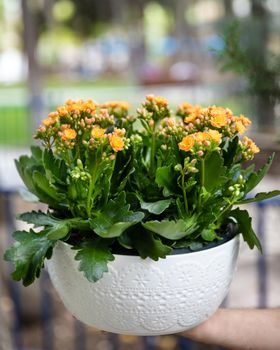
(15, 129)
(244, 56)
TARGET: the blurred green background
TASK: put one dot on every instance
(207, 51)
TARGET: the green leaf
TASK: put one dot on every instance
(172, 230)
(93, 257)
(256, 177)
(25, 166)
(214, 171)
(28, 254)
(209, 234)
(115, 218)
(245, 227)
(146, 244)
(46, 192)
(109, 230)
(165, 178)
(38, 218)
(55, 228)
(37, 153)
(56, 169)
(229, 151)
(59, 230)
(156, 207)
(259, 197)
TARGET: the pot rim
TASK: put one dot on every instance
(203, 251)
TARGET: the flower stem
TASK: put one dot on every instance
(202, 172)
(90, 190)
(184, 194)
(202, 181)
(152, 161)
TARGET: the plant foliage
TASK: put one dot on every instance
(110, 184)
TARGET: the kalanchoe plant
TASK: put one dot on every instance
(145, 184)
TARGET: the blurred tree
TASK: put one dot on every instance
(32, 24)
(246, 52)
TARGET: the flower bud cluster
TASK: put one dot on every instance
(221, 119)
(189, 166)
(157, 106)
(79, 173)
(171, 127)
(249, 148)
(119, 109)
(237, 189)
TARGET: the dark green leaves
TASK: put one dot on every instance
(115, 218)
(156, 207)
(54, 228)
(214, 171)
(208, 234)
(165, 179)
(28, 254)
(256, 177)
(36, 173)
(230, 150)
(44, 189)
(37, 218)
(93, 257)
(171, 229)
(56, 169)
(146, 244)
(245, 227)
(260, 197)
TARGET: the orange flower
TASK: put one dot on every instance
(191, 118)
(115, 104)
(187, 143)
(119, 132)
(170, 122)
(158, 100)
(245, 121)
(62, 111)
(48, 121)
(250, 144)
(116, 143)
(74, 107)
(98, 132)
(240, 128)
(200, 136)
(69, 134)
(219, 120)
(188, 108)
(53, 115)
(89, 104)
(215, 136)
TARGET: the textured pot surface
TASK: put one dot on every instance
(144, 297)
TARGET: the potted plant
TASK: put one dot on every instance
(141, 232)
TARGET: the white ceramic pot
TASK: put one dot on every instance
(144, 297)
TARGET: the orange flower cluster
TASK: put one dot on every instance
(157, 100)
(211, 125)
(200, 138)
(218, 118)
(122, 105)
(82, 124)
(249, 148)
(97, 132)
(196, 129)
